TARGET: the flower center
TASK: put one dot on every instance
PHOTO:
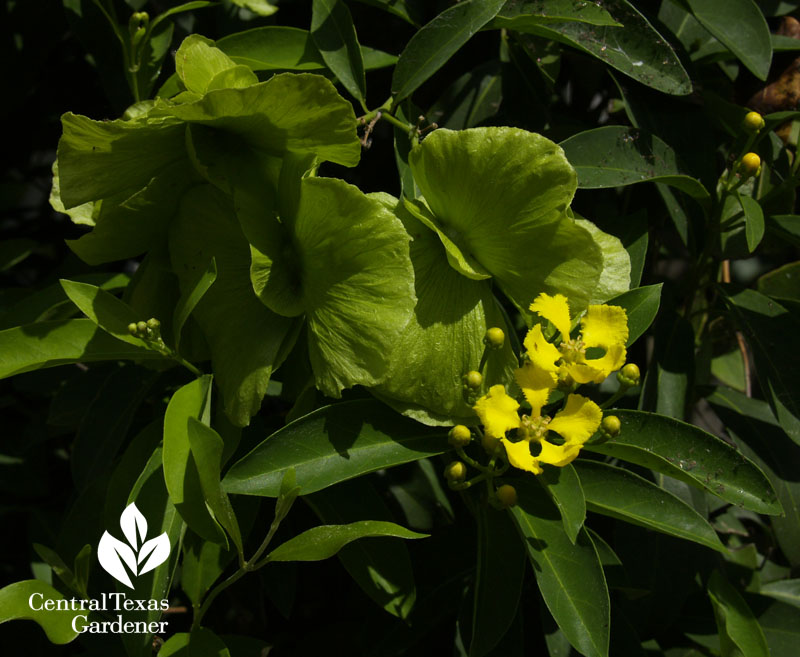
(573, 351)
(533, 428)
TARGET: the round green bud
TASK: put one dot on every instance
(459, 436)
(132, 328)
(473, 379)
(507, 495)
(495, 338)
(611, 425)
(753, 122)
(750, 164)
(629, 375)
(455, 472)
(153, 323)
(141, 327)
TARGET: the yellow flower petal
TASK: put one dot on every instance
(613, 359)
(556, 309)
(558, 455)
(605, 326)
(578, 421)
(519, 455)
(541, 353)
(536, 384)
(497, 411)
(586, 372)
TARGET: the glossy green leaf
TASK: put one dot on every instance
(60, 569)
(781, 626)
(198, 62)
(785, 590)
(739, 631)
(755, 430)
(430, 48)
(273, 47)
(564, 487)
(765, 324)
(782, 283)
(246, 339)
(201, 642)
(635, 49)
(343, 260)
(181, 472)
(323, 542)
(47, 344)
(206, 448)
(569, 576)
(740, 25)
(408, 10)
(613, 156)
(615, 276)
(689, 454)
(202, 564)
(191, 297)
(99, 159)
(333, 444)
(667, 382)
(334, 35)
(14, 605)
(500, 195)
(473, 98)
(622, 494)
(104, 309)
(641, 304)
(499, 575)
(258, 7)
(517, 14)
(382, 568)
(753, 221)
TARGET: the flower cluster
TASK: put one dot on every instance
(565, 362)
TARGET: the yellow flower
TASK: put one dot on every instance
(602, 327)
(497, 411)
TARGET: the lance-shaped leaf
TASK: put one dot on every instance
(104, 309)
(517, 14)
(739, 631)
(247, 340)
(569, 575)
(323, 542)
(14, 604)
(444, 338)
(299, 113)
(335, 36)
(688, 453)
(501, 195)
(333, 444)
(343, 261)
(564, 487)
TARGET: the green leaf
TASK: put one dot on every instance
(12, 252)
(104, 309)
(500, 195)
(782, 283)
(323, 542)
(201, 565)
(206, 447)
(785, 590)
(641, 304)
(754, 221)
(516, 14)
(381, 568)
(246, 339)
(613, 156)
(689, 454)
(635, 49)
(408, 10)
(471, 99)
(47, 344)
(739, 631)
(615, 276)
(343, 260)
(100, 159)
(61, 570)
(181, 472)
(569, 576)
(334, 35)
(198, 62)
(624, 495)
(201, 642)
(740, 25)
(765, 324)
(564, 487)
(780, 624)
(191, 297)
(429, 49)
(499, 575)
(277, 116)
(333, 444)
(57, 625)
(667, 382)
(273, 47)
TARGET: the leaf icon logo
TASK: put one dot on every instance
(140, 556)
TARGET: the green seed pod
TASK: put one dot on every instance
(459, 436)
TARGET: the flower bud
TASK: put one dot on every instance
(141, 328)
(611, 426)
(495, 338)
(459, 436)
(750, 165)
(132, 328)
(153, 323)
(506, 495)
(629, 375)
(753, 122)
(472, 379)
(455, 472)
